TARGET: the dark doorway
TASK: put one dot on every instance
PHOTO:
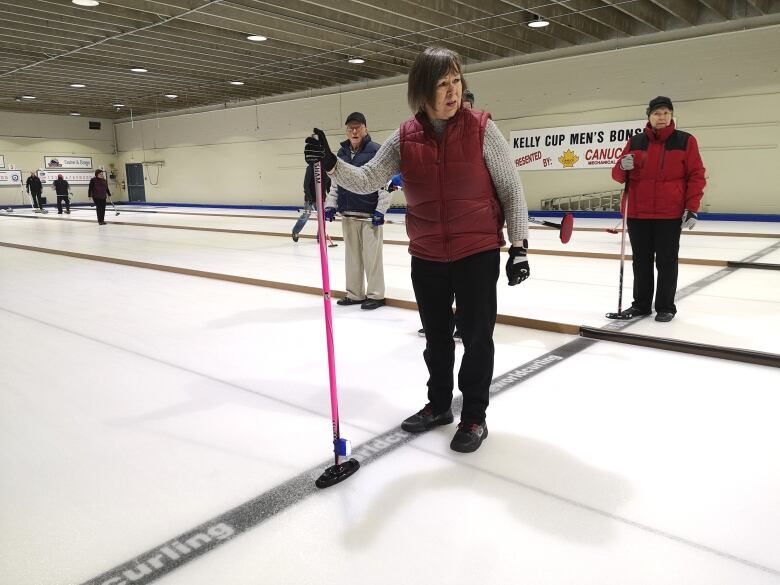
(135, 182)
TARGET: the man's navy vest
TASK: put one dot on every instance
(349, 201)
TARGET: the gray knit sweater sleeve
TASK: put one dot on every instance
(387, 162)
(498, 158)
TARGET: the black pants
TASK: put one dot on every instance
(100, 207)
(472, 281)
(60, 199)
(655, 240)
(37, 200)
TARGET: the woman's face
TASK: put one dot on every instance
(448, 95)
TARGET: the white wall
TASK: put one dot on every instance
(26, 138)
(726, 90)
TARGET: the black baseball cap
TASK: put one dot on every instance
(659, 102)
(356, 117)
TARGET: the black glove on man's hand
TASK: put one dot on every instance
(317, 150)
(517, 269)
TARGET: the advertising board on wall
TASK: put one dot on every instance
(9, 178)
(592, 146)
(72, 177)
(2, 161)
(67, 162)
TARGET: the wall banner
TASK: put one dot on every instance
(593, 146)
(2, 161)
(9, 178)
(67, 162)
(72, 177)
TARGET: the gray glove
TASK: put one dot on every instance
(688, 219)
(627, 162)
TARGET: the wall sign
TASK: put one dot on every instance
(67, 162)
(72, 177)
(593, 146)
(2, 161)
(9, 178)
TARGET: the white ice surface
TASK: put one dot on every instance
(136, 404)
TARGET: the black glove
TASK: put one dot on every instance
(517, 269)
(317, 150)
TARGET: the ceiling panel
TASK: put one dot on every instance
(194, 48)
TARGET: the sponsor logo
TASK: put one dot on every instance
(568, 159)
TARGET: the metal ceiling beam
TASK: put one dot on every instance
(604, 15)
(685, 10)
(490, 24)
(643, 10)
(564, 23)
(208, 3)
(763, 6)
(724, 8)
(435, 28)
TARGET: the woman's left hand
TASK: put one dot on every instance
(517, 268)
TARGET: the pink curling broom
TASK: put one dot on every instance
(341, 447)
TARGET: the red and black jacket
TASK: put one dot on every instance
(452, 210)
(668, 174)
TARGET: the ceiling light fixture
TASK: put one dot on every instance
(27, 97)
(138, 70)
(356, 60)
(170, 96)
(118, 105)
(539, 22)
(75, 114)
(85, 2)
(257, 38)
(236, 82)
(77, 85)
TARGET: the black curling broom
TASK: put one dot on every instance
(620, 315)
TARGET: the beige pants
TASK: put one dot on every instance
(363, 259)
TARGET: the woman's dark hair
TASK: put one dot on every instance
(97, 172)
(428, 68)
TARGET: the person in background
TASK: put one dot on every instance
(455, 223)
(309, 199)
(62, 189)
(467, 101)
(362, 218)
(666, 185)
(98, 190)
(35, 188)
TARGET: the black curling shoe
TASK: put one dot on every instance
(469, 437)
(664, 317)
(425, 419)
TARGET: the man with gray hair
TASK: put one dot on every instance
(362, 219)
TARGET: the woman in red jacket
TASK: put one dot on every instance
(460, 185)
(666, 184)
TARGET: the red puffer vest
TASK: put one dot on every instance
(668, 175)
(452, 210)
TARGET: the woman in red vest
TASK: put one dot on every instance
(460, 186)
(666, 184)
